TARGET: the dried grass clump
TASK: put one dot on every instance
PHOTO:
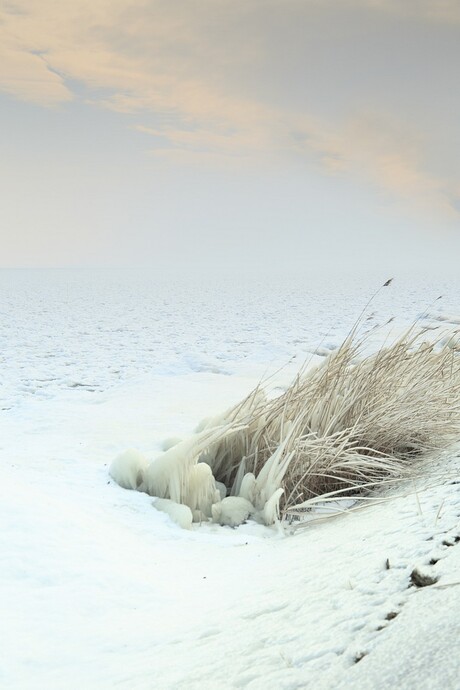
(344, 426)
(349, 425)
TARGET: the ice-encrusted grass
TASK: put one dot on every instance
(339, 430)
(347, 424)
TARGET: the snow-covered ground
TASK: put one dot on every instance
(100, 590)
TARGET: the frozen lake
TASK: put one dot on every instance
(102, 591)
(95, 330)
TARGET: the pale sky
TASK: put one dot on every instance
(230, 132)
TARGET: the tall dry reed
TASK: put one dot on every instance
(347, 424)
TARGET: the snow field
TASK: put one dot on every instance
(100, 590)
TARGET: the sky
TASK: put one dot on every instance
(315, 134)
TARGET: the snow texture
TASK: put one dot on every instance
(100, 589)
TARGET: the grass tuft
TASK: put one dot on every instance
(350, 424)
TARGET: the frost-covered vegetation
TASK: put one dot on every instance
(340, 429)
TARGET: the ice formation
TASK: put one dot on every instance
(232, 511)
(170, 442)
(179, 513)
(339, 428)
(128, 469)
(179, 479)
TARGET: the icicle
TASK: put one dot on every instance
(200, 491)
(128, 469)
(271, 510)
(247, 487)
(272, 473)
(238, 478)
(168, 476)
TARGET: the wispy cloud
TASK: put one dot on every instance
(178, 65)
(391, 156)
(26, 75)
